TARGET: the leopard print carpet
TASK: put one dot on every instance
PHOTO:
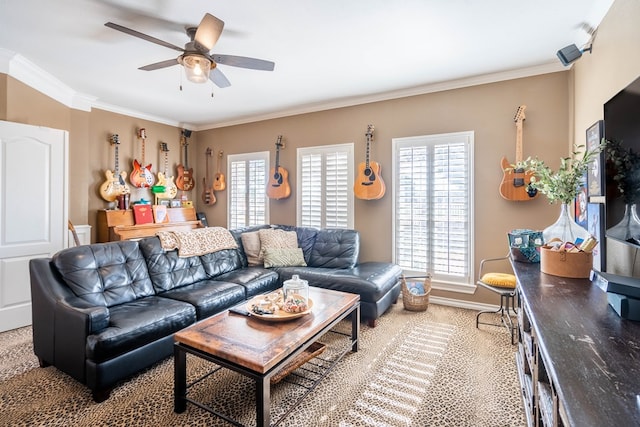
(415, 369)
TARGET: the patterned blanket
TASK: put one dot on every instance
(199, 241)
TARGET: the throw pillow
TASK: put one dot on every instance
(284, 257)
(272, 238)
(251, 244)
(416, 288)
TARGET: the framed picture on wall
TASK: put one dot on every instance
(595, 174)
(595, 226)
(581, 201)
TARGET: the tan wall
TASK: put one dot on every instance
(488, 110)
(3, 96)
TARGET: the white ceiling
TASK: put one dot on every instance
(327, 52)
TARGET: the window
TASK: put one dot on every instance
(433, 207)
(325, 179)
(247, 201)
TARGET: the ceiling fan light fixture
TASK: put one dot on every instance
(196, 67)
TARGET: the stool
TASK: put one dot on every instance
(505, 285)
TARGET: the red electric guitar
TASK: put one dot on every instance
(142, 177)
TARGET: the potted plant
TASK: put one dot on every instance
(562, 186)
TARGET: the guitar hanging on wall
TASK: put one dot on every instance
(515, 181)
(218, 182)
(184, 180)
(141, 176)
(208, 196)
(115, 184)
(369, 184)
(278, 185)
(164, 180)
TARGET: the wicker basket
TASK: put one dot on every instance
(413, 302)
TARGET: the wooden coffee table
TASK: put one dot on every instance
(257, 348)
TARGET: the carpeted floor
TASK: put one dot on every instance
(432, 368)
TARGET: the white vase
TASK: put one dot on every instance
(565, 228)
(628, 229)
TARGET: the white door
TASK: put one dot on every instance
(33, 210)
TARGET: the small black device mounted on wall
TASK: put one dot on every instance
(571, 53)
(202, 218)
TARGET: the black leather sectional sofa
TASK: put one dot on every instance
(105, 311)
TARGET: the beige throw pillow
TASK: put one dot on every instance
(277, 239)
(251, 244)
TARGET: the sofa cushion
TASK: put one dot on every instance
(167, 270)
(370, 280)
(105, 274)
(335, 248)
(285, 257)
(208, 296)
(255, 280)
(137, 323)
(220, 262)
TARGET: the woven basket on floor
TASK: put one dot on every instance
(413, 302)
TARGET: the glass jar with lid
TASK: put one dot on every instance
(296, 295)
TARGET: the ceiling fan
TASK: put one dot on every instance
(199, 64)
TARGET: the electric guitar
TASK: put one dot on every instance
(185, 181)
(142, 177)
(515, 181)
(115, 184)
(218, 183)
(164, 179)
(208, 196)
(369, 184)
(278, 185)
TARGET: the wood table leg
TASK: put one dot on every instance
(263, 402)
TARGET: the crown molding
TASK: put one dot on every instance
(549, 67)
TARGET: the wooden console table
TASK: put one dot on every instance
(115, 225)
(578, 362)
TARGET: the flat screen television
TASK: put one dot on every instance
(622, 124)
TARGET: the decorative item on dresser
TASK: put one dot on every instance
(278, 185)
(185, 181)
(219, 182)
(369, 184)
(208, 195)
(141, 176)
(516, 181)
(164, 180)
(115, 184)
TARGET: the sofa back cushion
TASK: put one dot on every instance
(335, 248)
(105, 274)
(220, 262)
(166, 269)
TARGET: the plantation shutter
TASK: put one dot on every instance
(432, 199)
(247, 200)
(325, 198)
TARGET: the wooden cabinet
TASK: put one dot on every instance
(119, 224)
(577, 360)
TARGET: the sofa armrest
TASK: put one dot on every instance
(76, 311)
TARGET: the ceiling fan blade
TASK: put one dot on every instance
(219, 78)
(161, 64)
(143, 36)
(244, 62)
(208, 32)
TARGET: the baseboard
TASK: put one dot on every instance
(470, 305)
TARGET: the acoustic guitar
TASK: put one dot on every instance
(369, 184)
(218, 183)
(515, 181)
(115, 184)
(141, 176)
(184, 180)
(278, 185)
(208, 195)
(164, 180)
